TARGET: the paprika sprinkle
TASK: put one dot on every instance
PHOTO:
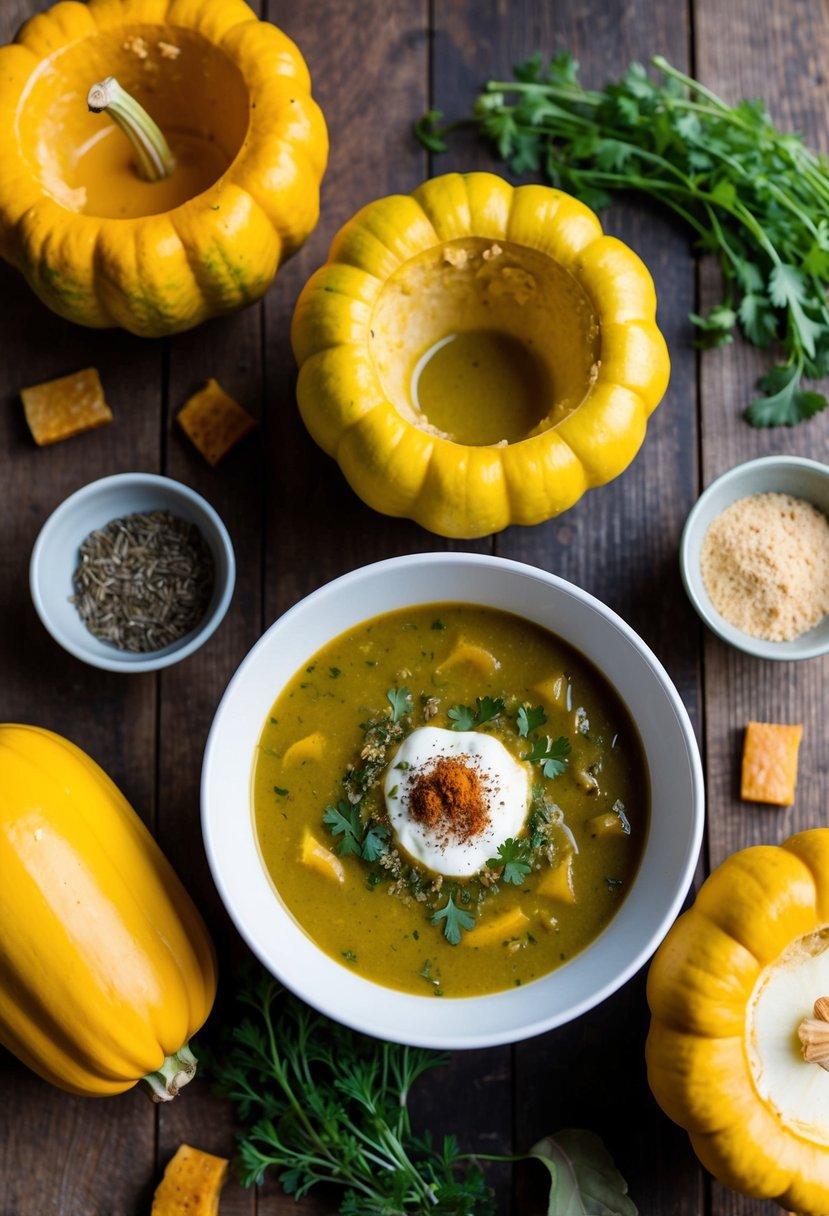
(450, 796)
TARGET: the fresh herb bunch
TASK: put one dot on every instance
(756, 197)
(321, 1103)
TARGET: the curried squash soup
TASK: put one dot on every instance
(450, 800)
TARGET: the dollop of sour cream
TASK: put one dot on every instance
(502, 781)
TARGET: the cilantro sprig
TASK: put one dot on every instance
(365, 839)
(464, 717)
(754, 196)
(400, 700)
(455, 921)
(528, 719)
(515, 858)
(551, 754)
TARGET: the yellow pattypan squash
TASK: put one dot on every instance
(236, 188)
(738, 1047)
(106, 968)
(476, 354)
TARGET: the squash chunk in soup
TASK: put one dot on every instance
(450, 800)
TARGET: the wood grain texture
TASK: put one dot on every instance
(295, 524)
(59, 1153)
(749, 50)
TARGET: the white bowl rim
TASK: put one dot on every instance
(809, 645)
(176, 651)
(367, 1021)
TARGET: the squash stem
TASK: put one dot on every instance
(153, 158)
(174, 1073)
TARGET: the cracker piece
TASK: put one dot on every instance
(191, 1184)
(214, 422)
(70, 405)
(770, 763)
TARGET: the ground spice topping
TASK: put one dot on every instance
(765, 565)
(450, 795)
(143, 581)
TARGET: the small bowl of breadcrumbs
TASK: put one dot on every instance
(754, 557)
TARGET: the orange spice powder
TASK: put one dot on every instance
(450, 795)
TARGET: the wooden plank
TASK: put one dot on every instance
(229, 349)
(57, 1152)
(779, 53)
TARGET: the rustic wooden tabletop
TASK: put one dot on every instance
(295, 524)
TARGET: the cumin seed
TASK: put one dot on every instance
(143, 581)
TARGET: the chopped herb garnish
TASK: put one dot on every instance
(438, 624)
(464, 717)
(529, 719)
(551, 754)
(455, 921)
(613, 883)
(375, 842)
(334, 672)
(311, 668)
(344, 820)
(349, 956)
(393, 791)
(515, 857)
(367, 840)
(404, 767)
(400, 700)
(277, 789)
(425, 973)
(274, 721)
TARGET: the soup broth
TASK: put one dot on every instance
(326, 777)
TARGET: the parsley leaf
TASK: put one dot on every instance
(515, 856)
(785, 404)
(465, 718)
(344, 820)
(375, 842)
(400, 700)
(530, 719)
(455, 921)
(551, 754)
(367, 840)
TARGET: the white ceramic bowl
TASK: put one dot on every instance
(55, 559)
(670, 852)
(793, 475)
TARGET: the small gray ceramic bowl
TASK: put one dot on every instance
(55, 559)
(807, 479)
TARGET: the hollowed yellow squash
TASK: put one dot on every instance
(476, 354)
(99, 245)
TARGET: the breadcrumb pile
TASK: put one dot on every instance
(765, 565)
